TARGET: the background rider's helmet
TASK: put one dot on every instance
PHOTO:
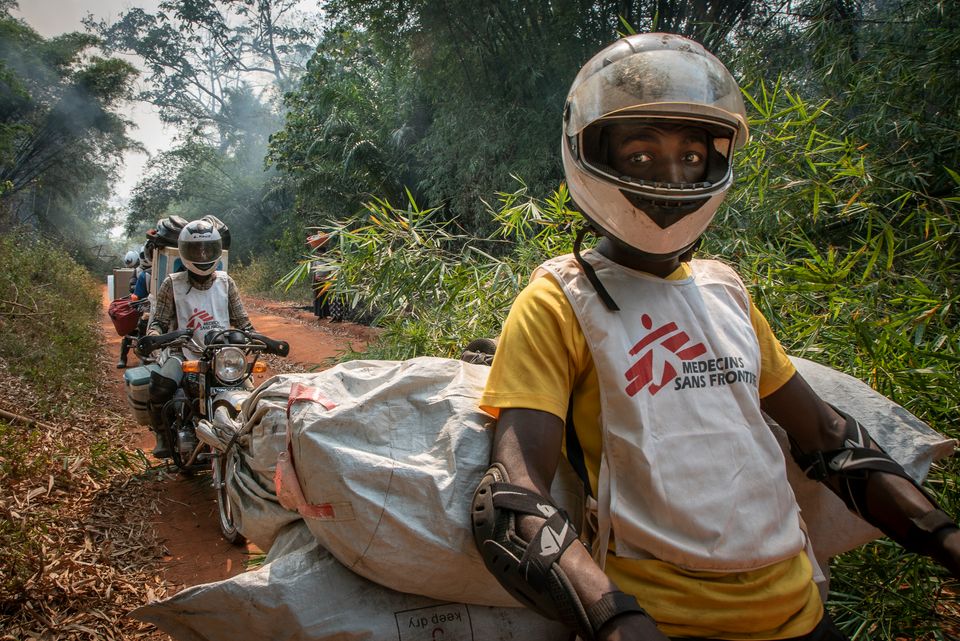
(200, 247)
(168, 230)
(146, 259)
(651, 78)
(220, 227)
(131, 259)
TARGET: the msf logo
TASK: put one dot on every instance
(658, 350)
(198, 318)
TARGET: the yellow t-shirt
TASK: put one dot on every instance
(543, 362)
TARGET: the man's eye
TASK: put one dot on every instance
(640, 157)
(692, 158)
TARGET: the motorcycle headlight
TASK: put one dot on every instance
(230, 364)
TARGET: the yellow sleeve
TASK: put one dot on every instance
(775, 368)
(540, 355)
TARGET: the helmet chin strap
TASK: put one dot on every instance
(590, 273)
(684, 256)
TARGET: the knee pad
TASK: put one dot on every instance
(528, 571)
(846, 469)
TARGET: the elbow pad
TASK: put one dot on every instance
(847, 470)
(530, 570)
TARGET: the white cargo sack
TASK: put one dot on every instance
(383, 460)
(384, 457)
(304, 594)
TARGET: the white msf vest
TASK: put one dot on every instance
(690, 473)
(201, 310)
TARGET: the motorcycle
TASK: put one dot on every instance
(200, 418)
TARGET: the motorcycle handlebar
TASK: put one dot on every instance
(147, 344)
(280, 348)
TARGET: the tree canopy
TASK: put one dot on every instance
(61, 130)
(216, 71)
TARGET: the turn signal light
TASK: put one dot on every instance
(259, 367)
(191, 367)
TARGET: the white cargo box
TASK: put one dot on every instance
(121, 283)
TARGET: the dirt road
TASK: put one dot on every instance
(186, 521)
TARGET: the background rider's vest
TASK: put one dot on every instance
(201, 310)
(690, 472)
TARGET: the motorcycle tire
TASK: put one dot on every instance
(228, 526)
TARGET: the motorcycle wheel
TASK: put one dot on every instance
(228, 527)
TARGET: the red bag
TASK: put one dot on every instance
(124, 317)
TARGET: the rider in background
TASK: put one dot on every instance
(651, 372)
(142, 287)
(141, 292)
(131, 260)
(200, 298)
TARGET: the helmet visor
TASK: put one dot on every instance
(717, 173)
(201, 251)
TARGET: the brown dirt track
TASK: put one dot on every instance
(193, 551)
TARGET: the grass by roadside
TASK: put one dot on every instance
(74, 559)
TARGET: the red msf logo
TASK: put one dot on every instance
(198, 318)
(670, 341)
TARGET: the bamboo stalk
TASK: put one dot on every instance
(23, 419)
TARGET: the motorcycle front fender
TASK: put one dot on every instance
(231, 398)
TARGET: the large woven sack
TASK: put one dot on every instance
(384, 459)
(251, 464)
(387, 474)
(304, 594)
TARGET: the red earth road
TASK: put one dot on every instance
(186, 521)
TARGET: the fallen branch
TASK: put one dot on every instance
(23, 314)
(13, 302)
(23, 419)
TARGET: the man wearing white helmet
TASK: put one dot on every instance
(650, 372)
(131, 260)
(201, 298)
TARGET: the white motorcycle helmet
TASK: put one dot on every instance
(200, 247)
(651, 78)
(131, 259)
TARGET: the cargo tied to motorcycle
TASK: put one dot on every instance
(358, 480)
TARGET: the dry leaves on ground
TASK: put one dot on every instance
(77, 551)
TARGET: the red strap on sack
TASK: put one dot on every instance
(300, 392)
(290, 493)
(285, 479)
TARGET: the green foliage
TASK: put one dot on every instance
(449, 99)
(851, 271)
(16, 446)
(216, 70)
(196, 178)
(60, 132)
(48, 320)
(200, 52)
(347, 129)
(49, 344)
